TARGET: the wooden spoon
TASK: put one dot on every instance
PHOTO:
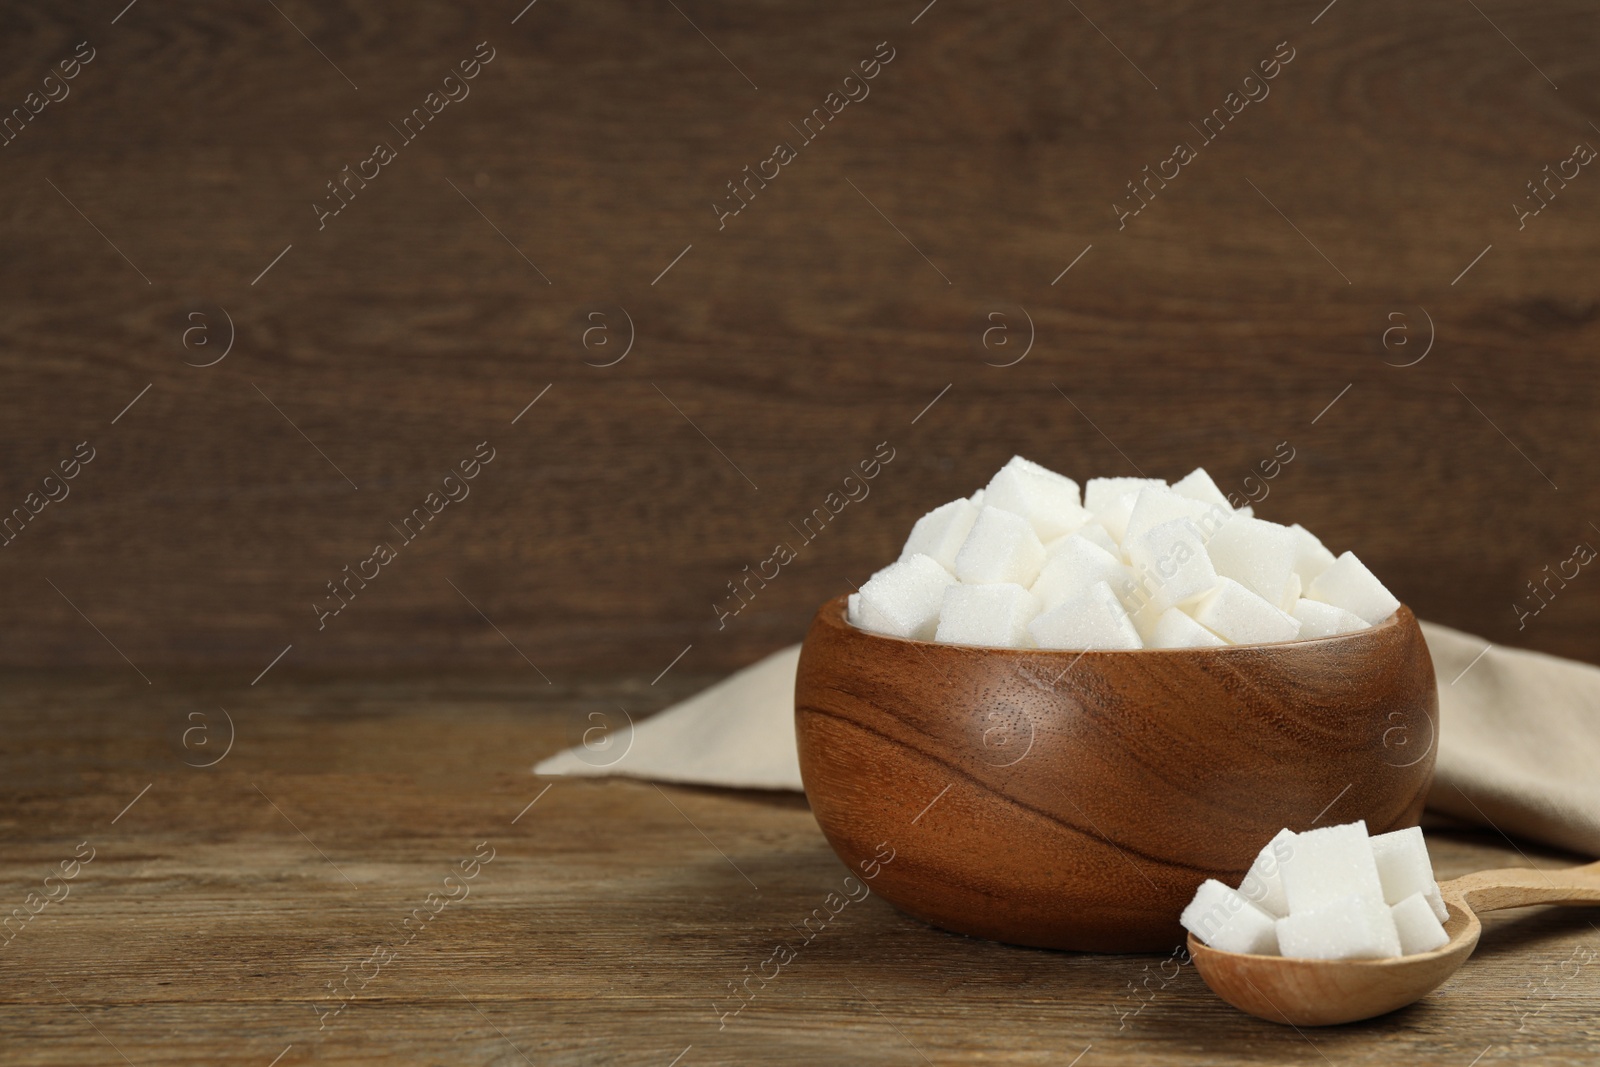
(1304, 992)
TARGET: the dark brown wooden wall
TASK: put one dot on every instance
(1250, 293)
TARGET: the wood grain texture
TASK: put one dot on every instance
(1303, 992)
(1493, 890)
(418, 322)
(608, 928)
(1077, 800)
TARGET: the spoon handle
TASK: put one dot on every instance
(1518, 887)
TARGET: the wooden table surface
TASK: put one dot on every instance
(603, 921)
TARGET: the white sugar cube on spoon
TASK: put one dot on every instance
(1225, 920)
(1343, 928)
(1333, 893)
(1262, 884)
(1329, 863)
(1419, 928)
(1405, 869)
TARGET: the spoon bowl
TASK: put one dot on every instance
(1309, 992)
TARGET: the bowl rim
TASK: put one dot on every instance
(839, 614)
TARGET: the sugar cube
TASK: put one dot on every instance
(853, 609)
(1404, 868)
(1263, 882)
(1334, 893)
(1074, 564)
(1055, 544)
(1291, 594)
(1310, 558)
(1101, 493)
(1227, 921)
(1152, 506)
(903, 599)
(1174, 629)
(1170, 566)
(1101, 536)
(1347, 927)
(1143, 614)
(1329, 863)
(1419, 928)
(1095, 619)
(1257, 554)
(1348, 584)
(1049, 501)
(1324, 620)
(1030, 467)
(1111, 500)
(941, 532)
(995, 616)
(1114, 516)
(1235, 613)
(1000, 547)
(1197, 485)
(1184, 567)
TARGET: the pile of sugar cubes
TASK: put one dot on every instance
(1327, 894)
(1029, 562)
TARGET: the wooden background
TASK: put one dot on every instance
(822, 320)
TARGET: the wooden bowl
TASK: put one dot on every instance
(1077, 800)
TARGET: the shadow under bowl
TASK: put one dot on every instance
(1076, 800)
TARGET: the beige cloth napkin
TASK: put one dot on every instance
(739, 733)
(1519, 739)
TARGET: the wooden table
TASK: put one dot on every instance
(602, 923)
